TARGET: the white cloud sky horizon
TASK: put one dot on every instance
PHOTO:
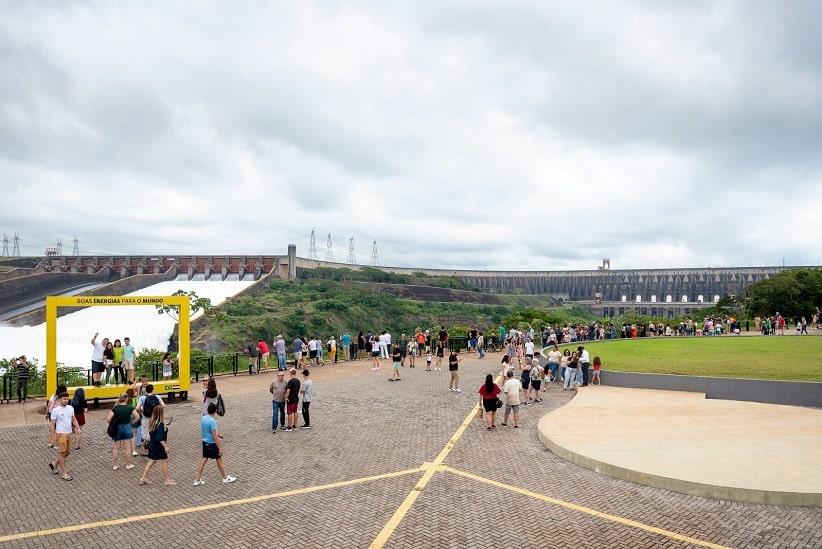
(457, 135)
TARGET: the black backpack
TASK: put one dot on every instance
(149, 404)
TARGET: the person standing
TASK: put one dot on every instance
(480, 344)
(279, 344)
(128, 359)
(312, 350)
(553, 361)
(212, 446)
(292, 399)
(97, 351)
(167, 366)
(277, 390)
(453, 370)
(62, 420)
(145, 406)
(511, 389)
(265, 353)
(298, 352)
(396, 359)
(307, 392)
(440, 355)
(332, 349)
(253, 357)
(345, 341)
(158, 446)
(360, 346)
(442, 337)
(22, 367)
(584, 363)
(119, 372)
(125, 414)
(108, 361)
(488, 399)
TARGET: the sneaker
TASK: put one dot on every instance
(457, 390)
(228, 479)
(199, 482)
(504, 424)
(306, 427)
(287, 429)
(133, 452)
(129, 466)
(516, 426)
(274, 432)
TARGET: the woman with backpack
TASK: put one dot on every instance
(78, 402)
(125, 414)
(211, 395)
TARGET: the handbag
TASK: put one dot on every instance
(113, 427)
(479, 411)
(220, 406)
(499, 403)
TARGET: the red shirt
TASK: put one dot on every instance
(485, 394)
(263, 347)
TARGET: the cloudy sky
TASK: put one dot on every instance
(524, 135)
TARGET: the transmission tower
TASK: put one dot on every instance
(5, 245)
(352, 259)
(59, 247)
(375, 259)
(16, 251)
(76, 250)
(312, 247)
(329, 250)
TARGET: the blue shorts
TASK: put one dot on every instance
(124, 432)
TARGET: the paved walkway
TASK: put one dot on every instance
(386, 464)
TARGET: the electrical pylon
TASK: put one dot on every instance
(329, 250)
(312, 247)
(375, 259)
(352, 259)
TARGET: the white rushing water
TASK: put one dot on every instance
(146, 328)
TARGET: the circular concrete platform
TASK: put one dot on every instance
(683, 442)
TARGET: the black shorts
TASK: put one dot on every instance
(526, 381)
(210, 450)
(157, 455)
(97, 367)
(312, 354)
(536, 384)
(489, 404)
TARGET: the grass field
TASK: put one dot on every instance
(788, 357)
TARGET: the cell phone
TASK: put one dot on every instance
(169, 420)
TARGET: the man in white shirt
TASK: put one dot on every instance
(97, 366)
(511, 391)
(62, 420)
(584, 362)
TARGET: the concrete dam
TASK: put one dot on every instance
(605, 292)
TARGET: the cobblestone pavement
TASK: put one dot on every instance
(385, 464)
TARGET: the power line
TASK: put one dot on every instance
(352, 258)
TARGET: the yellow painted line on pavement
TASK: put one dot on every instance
(200, 508)
(588, 510)
(433, 467)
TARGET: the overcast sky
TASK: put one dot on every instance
(492, 135)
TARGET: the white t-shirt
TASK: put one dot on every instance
(62, 418)
(312, 345)
(529, 348)
(97, 353)
(554, 356)
(511, 390)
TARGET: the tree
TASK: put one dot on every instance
(196, 304)
(794, 293)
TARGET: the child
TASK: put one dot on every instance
(597, 367)
(157, 446)
(428, 358)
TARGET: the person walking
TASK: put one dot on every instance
(292, 399)
(158, 445)
(79, 403)
(396, 360)
(488, 393)
(480, 344)
(145, 406)
(511, 389)
(212, 446)
(307, 392)
(62, 420)
(277, 390)
(211, 395)
(125, 414)
(453, 370)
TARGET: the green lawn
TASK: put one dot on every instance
(789, 357)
